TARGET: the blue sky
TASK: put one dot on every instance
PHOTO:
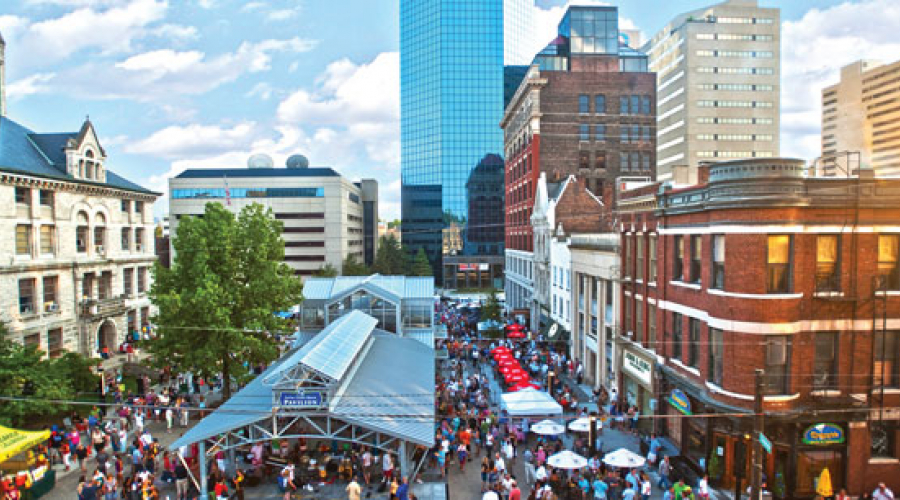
(172, 84)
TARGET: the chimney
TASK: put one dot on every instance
(703, 172)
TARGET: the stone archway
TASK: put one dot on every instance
(107, 337)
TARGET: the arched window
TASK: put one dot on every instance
(90, 165)
(81, 232)
(100, 234)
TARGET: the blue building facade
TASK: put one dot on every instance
(452, 55)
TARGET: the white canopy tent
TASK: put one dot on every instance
(529, 402)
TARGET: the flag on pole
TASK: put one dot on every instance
(227, 192)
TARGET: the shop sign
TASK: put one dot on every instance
(301, 399)
(679, 400)
(764, 441)
(638, 367)
(823, 434)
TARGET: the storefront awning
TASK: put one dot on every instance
(15, 441)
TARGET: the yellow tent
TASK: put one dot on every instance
(823, 487)
(14, 441)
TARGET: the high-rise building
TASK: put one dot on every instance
(327, 217)
(587, 107)
(859, 117)
(718, 93)
(452, 57)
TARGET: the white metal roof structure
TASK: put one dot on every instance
(529, 402)
(397, 287)
(371, 387)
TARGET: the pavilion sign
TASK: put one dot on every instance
(306, 399)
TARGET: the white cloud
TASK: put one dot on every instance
(159, 75)
(348, 94)
(176, 32)
(262, 90)
(33, 84)
(814, 48)
(206, 4)
(283, 14)
(251, 6)
(194, 141)
(110, 31)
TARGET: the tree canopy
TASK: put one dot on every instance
(391, 259)
(353, 268)
(420, 265)
(217, 301)
(40, 382)
(490, 311)
(326, 271)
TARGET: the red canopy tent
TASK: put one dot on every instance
(522, 385)
(515, 334)
(517, 378)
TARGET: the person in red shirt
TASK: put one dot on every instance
(515, 493)
(221, 490)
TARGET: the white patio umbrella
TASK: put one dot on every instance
(582, 424)
(624, 458)
(547, 428)
(567, 460)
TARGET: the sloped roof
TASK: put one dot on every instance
(43, 155)
(332, 351)
(391, 389)
(398, 287)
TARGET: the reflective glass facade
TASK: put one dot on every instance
(452, 55)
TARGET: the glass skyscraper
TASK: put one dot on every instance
(452, 56)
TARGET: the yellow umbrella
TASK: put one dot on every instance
(824, 485)
(14, 441)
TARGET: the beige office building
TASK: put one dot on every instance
(718, 92)
(860, 117)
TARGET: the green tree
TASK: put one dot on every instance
(217, 301)
(420, 265)
(24, 373)
(390, 260)
(490, 311)
(353, 268)
(326, 271)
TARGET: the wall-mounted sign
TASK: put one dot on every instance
(823, 434)
(637, 367)
(312, 399)
(679, 400)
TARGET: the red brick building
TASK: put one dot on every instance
(586, 107)
(761, 267)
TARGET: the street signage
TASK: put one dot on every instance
(301, 399)
(679, 400)
(764, 441)
(823, 435)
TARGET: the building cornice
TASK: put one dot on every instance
(80, 187)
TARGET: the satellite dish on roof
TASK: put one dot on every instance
(260, 161)
(297, 161)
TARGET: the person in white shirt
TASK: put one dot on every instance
(500, 463)
(541, 474)
(490, 495)
(387, 466)
(882, 492)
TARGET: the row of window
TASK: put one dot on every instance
(628, 133)
(736, 71)
(628, 105)
(734, 137)
(734, 154)
(33, 300)
(83, 240)
(742, 20)
(735, 53)
(734, 104)
(209, 193)
(826, 371)
(46, 198)
(734, 121)
(734, 36)
(738, 87)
